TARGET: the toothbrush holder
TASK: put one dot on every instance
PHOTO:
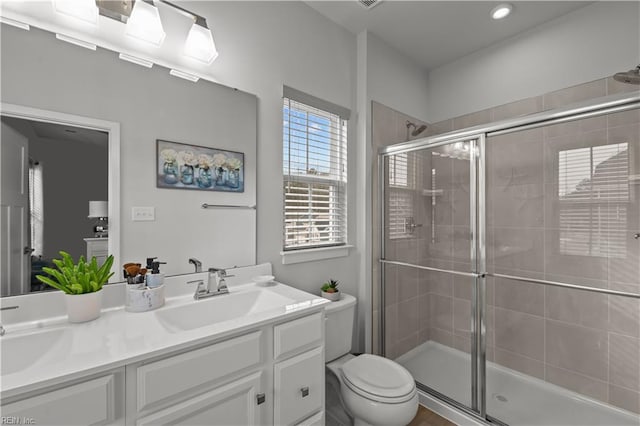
(144, 299)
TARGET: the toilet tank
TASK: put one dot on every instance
(339, 319)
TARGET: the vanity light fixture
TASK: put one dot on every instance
(144, 23)
(85, 10)
(501, 11)
(182, 74)
(15, 23)
(76, 41)
(136, 60)
(199, 44)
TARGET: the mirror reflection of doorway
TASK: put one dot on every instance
(50, 172)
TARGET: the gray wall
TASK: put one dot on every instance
(149, 104)
(69, 183)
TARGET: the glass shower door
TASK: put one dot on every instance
(563, 216)
(430, 265)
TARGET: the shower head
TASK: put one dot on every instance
(631, 76)
(419, 130)
(416, 130)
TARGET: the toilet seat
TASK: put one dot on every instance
(378, 379)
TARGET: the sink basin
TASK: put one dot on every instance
(201, 313)
(24, 350)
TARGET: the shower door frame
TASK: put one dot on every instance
(477, 189)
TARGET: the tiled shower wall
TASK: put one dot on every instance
(390, 127)
(586, 342)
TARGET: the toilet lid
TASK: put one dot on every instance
(378, 376)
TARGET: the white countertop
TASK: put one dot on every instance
(119, 337)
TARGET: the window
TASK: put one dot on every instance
(36, 207)
(401, 193)
(593, 189)
(315, 172)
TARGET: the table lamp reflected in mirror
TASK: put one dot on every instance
(99, 211)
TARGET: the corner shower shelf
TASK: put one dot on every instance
(432, 192)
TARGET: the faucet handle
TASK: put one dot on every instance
(222, 273)
(200, 290)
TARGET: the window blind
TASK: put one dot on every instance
(36, 207)
(593, 189)
(315, 176)
(401, 184)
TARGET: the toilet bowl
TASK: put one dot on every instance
(374, 390)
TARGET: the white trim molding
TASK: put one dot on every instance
(314, 254)
(113, 129)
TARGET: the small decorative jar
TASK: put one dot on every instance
(233, 178)
(220, 176)
(204, 177)
(186, 174)
(170, 172)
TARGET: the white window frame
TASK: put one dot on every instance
(334, 246)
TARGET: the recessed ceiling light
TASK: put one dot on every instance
(501, 11)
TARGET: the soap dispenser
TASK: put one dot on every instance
(155, 278)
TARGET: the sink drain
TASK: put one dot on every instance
(500, 398)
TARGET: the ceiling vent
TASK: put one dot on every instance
(369, 4)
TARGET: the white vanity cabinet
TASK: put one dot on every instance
(232, 404)
(299, 371)
(272, 375)
(216, 384)
(97, 400)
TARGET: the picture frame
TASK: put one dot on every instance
(195, 167)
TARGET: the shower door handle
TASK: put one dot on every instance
(636, 235)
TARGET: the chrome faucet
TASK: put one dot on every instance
(216, 284)
(196, 263)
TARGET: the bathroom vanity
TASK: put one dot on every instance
(252, 357)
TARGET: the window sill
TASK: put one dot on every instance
(315, 254)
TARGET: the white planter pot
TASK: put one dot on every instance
(84, 307)
(334, 297)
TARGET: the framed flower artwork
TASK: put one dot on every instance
(183, 166)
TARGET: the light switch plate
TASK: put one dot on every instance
(143, 214)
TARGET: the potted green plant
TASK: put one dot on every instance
(330, 290)
(82, 284)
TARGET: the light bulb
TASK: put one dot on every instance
(144, 23)
(501, 11)
(85, 10)
(200, 45)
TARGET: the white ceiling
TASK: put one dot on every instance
(57, 132)
(435, 33)
(61, 132)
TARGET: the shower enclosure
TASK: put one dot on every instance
(510, 265)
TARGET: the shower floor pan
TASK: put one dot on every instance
(512, 397)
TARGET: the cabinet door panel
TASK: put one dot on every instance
(297, 334)
(89, 403)
(299, 387)
(172, 376)
(229, 405)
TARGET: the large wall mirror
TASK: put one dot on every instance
(58, 183)
(51, 88)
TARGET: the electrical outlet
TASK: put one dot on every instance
(143, 214)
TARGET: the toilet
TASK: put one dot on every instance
(374, 390)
